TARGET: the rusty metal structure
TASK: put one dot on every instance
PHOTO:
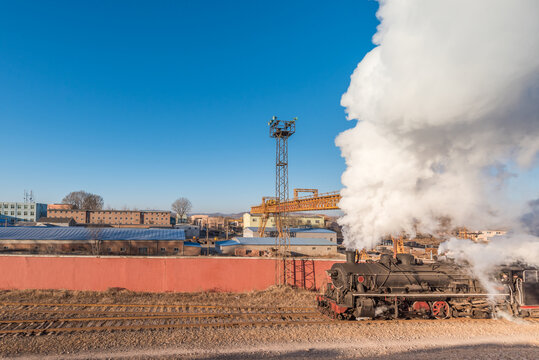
(281, 130)
(398, 245)
(315, 202)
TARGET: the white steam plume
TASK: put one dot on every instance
(500, 250)
(447, 101)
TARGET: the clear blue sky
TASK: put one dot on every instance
(143, 102)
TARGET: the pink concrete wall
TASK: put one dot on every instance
(142, 274)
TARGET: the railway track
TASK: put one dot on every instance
(56, 318)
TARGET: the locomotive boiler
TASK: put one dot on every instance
(403, 286)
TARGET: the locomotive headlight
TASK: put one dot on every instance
(360, 279)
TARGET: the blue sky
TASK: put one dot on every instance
(143, 102)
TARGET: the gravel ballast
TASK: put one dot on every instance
(402, 339)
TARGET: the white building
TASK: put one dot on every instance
(295, 220)
(191, 230)
(22, 211)
(313, 233)
(486, 235)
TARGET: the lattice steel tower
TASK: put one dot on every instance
(281, 131)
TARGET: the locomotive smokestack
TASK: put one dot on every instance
(350, 256)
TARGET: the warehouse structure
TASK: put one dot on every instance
(266, 245)
(295, 220)
(96, 241)
(313, 233)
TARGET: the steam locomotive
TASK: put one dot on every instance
(405, 287)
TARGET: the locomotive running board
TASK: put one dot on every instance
(437, 295)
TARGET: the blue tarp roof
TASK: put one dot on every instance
(190, 243)
(271, 241)
(294, 230)
(76, 233)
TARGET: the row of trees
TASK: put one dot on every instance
(88, 201)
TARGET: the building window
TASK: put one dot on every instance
(6, 247)
(176, 249)
(318, 221)
(26, 213)
(143, 251)
(13, 213)
(122, 249)
(109, 250)
(31, 213)
(163, 249)
(314, 248)
(18, 212)
(31, 206)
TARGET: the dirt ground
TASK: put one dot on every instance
(402, 339)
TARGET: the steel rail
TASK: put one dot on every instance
(158, 317)
(171, 326)
(158, 305)
(111, 312)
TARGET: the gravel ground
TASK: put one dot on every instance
(403, 339)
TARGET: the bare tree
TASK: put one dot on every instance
(96, 241)
(182, 206)
(84, 200)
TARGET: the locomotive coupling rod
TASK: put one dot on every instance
(430, 295)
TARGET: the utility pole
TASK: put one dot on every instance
(281, 130)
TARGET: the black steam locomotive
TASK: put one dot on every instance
(403, 286)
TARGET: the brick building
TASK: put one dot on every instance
(59, 206)
(126, 218)
(96, 241)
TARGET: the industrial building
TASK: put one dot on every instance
(117, 218)
(22, 211)
(259, 245)
(312, 233)
(191, 231)
(294, 220)
(96, 241)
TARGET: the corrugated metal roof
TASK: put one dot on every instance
(226, 243)
(294, 230)
(268, 241)
(312, 230)
(76, 233)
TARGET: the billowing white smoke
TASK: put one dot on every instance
(500, 250)
(447, 101)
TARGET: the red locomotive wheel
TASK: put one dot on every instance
(421, 307)
(440, 310)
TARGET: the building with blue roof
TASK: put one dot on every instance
(257, 245)
(96, 241)
(307, 232)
